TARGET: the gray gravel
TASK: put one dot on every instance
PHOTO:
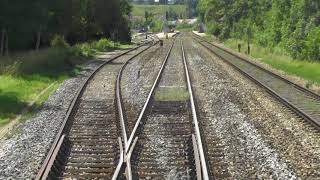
(135, 87)
(295, 141)
(220, 97)
(21, 155)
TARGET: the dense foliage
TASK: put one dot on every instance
(30, 24)
(292, 25)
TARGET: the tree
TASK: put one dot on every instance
(31, 24)
(282, 23)
(39, 19)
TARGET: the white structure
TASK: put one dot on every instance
(171, 1)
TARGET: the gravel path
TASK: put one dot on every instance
(256, 137)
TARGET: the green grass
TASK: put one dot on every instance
(172, 94)
(158, 10)
(93, 48)
(17, 91)
(24, 75)
(185, 27)
(308, 70)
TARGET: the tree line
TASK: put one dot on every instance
(292, 25)
(31, 24)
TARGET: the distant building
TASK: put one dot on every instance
(171, 1)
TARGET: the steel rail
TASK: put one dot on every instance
(121, 113)
(71, 107)
(195, 118)
(283, 100)
(128, 159)
(148, 99)
(55, 153)
(121, 159)
(196, 156)
(311, 93)
(119, 96)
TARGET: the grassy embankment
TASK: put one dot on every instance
(24, 75)
(278, 59)
(308, 70)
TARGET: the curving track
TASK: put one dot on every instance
(302, 101)
(87, 145)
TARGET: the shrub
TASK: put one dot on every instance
(59, 41)
(156, 25)
(84, 49)
(103, 44)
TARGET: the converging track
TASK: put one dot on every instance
(166, 140)
(103, 136)
(301, 100)
(88, 144)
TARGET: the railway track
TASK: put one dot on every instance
(88, 144)
(166, 140)
(300, 100)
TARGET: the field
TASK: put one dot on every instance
(139, 10)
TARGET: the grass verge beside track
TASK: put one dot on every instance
(278, 59)
(23, 76)
(307, 70)
(16, 92)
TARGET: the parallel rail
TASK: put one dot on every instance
(199, 162)
(195, 119)
(297, 98)
(60, 141)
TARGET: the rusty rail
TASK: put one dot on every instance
(148, 100)
(294, 107)
(50, 158)
(195, 119)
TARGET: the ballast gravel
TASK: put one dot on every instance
(245, 153)
(137, 79)
(257, 137)
(22, 154)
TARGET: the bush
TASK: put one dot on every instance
(59, 42)
(214, 28)
(84, 49)
(103, 45)
(156, 25)
(60, 57)
(42, 61)
(185, 27)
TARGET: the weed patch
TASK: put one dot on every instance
(172, 94)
